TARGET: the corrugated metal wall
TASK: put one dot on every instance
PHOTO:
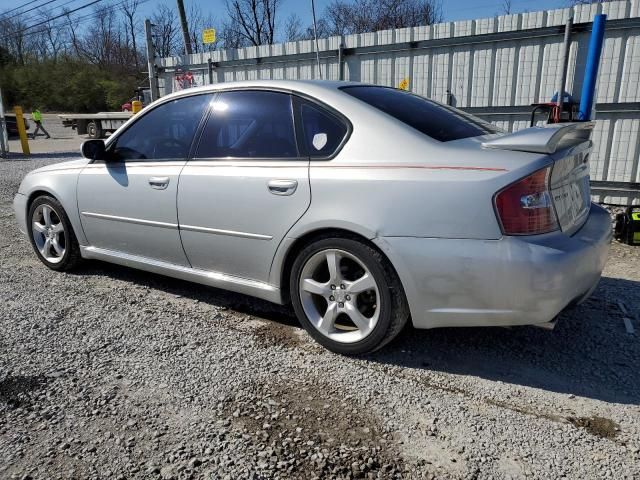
(493, 67)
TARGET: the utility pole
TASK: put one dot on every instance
(315, 35)
(185, 28)
(4, 138)
(565, 65)
(151, 61)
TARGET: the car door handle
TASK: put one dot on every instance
(282, 187)
(159, 183)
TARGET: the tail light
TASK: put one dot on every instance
(525, 207)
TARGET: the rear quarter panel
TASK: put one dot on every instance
(391, 180)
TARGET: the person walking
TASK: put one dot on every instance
(36, 116)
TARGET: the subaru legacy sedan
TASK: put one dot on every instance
(362, 206)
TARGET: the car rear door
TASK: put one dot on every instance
(246, 185)
(128, 203)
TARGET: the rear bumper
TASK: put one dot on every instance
(511, 281)
(20, 209)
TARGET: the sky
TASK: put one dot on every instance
(452, 9)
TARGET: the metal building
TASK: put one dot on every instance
(492, 67)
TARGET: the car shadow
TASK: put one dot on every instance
(118, 172)
(210, 295)
(589, 353)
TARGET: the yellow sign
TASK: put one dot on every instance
(404, 84)
(209, 35)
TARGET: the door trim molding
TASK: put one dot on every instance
(175, 226)
(255, 288)
(230, 233)
(137, 221)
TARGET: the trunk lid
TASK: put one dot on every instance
(568, 144)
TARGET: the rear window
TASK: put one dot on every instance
(434, 119)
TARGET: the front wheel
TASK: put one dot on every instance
(51, 234)
(347, 296)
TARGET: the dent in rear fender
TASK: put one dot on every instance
(60, 184)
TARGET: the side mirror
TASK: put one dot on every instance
(93, 149)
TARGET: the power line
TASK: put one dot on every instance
(53, 18)
(39, 16)
(81, 18)
(19, 7)
(31, 9)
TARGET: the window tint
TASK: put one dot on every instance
(164, 133)
(323, 131)
(438, 121)
(249, 124)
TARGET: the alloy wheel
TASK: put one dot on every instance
(48, 233)
(339, 295)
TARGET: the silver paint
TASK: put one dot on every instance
(427, 205)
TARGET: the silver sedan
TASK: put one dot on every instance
(361, 205)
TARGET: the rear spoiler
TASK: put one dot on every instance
(546, 139)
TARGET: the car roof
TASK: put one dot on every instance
(310, 87)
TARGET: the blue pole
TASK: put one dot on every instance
(591, 70)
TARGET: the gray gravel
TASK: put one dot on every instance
(112, 373)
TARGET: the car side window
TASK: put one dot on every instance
(249, 124)
(164, 133)
(323, 132)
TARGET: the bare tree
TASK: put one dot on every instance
(198, 21)
(230, 36)
(507, 7)
(345, 17)
(166, 31)
(97, 46)
(15, 38)
(129, 9)
(251, 22)
(293, 29)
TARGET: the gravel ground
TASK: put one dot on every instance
(112, 373)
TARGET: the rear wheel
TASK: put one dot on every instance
(51, 234)
(347, 296)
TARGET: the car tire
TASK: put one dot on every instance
(334, 308)
(94, 130)
(47, 221)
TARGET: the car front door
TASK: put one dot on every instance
(128, 202)
(246, 185)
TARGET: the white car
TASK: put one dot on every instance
(361, 205)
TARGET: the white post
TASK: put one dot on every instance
(4, 137)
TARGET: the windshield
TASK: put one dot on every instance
(434, 119)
